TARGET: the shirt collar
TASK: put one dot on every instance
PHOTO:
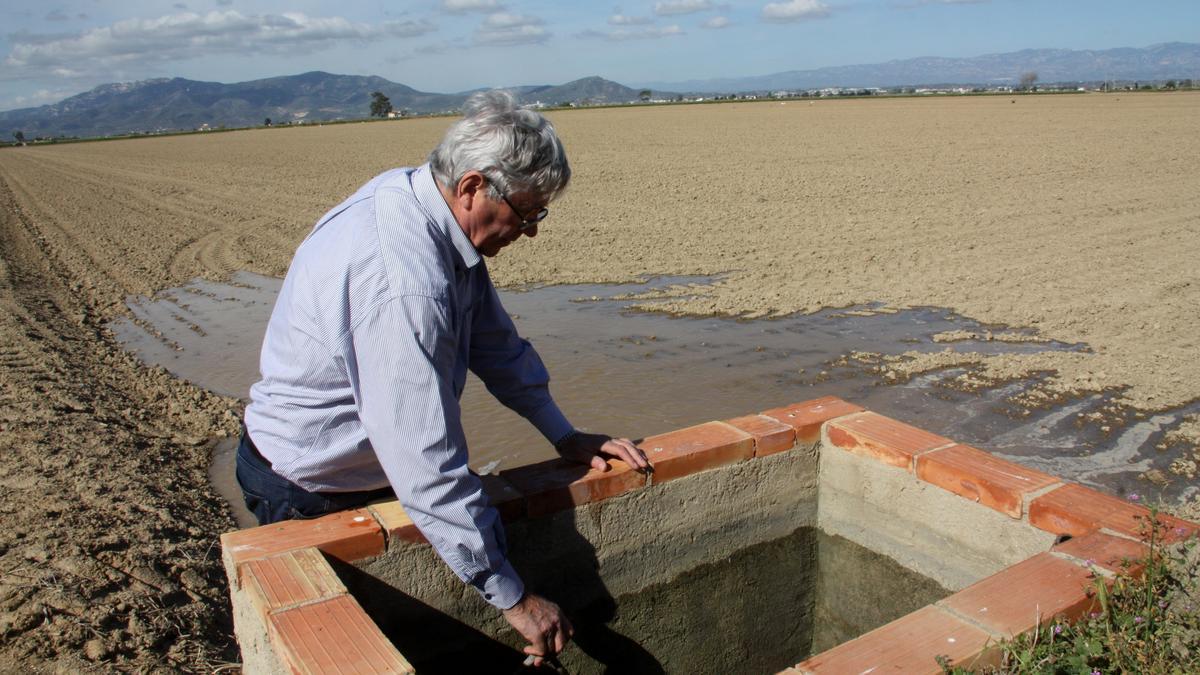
(427, 192)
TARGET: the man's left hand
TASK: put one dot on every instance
(595, 449)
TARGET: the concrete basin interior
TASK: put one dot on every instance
(721, 571)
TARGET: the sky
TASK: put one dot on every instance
(52, 49)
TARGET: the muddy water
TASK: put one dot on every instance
(630, 373)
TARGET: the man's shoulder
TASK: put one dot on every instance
(415, 247)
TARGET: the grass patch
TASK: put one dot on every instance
(1146, 620)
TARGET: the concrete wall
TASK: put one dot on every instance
(928, 530)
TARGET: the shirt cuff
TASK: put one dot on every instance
(503, 589)
(550, 421)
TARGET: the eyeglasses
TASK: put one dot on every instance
(526, 222)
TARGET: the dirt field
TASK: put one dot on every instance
(1075, 215)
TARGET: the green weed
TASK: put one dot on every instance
(1147, 623)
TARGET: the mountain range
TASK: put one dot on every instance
(175, 103)
(169, 104)
(1157, 62)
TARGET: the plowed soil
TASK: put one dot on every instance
(1078, 216)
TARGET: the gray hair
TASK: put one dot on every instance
(517, 150)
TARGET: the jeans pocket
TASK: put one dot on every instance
(259, 505)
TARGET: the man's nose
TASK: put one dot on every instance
(530, 231)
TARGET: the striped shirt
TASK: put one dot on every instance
(385, 306)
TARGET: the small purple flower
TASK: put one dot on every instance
(1058, 629)
(1137, 619)
(1162, 604)
(1180, 531)
(1133, 496)
(1096, 671)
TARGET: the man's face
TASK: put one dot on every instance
(500, 224)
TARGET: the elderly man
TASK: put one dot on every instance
(385, 306)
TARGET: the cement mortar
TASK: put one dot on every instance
(258, 654)
(928, 530)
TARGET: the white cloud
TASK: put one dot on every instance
(625, 20)
(717, 22)
(623, 35)
(465, 6)
(39, 97)
(506, 20)
(672, 7)
(180, 37)
(503, 28)
(794, 10)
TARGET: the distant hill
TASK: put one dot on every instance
(589, 90)
(1176, 60)
(176, 103)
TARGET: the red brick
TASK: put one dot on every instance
(395, 522)
(289, 579)
(559, 484)
(909, 644)
(808, 416)
(883, 438)
(507, 499)
(1076, 510)
(770, 435)
(1019, 597)
(346, 535)
(333, 636)
(1105, 550)
(980, 477)
(687, 451)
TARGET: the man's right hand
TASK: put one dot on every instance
(542, 623)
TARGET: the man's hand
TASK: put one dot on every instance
(594, 449)
(542, 623)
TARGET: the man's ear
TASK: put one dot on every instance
(471, 186)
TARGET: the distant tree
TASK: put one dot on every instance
(1185, 84)
(380, 104)
(1169, 84)
(645, 94)
(267, 122)
(20, 136)
(1028, 79)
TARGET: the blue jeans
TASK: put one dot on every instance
(272, 498)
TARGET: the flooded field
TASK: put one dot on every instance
(633, 373)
